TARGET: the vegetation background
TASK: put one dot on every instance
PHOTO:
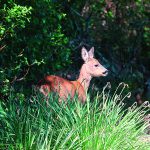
(45, 37)
(40, 37)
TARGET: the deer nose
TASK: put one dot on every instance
(105, 73)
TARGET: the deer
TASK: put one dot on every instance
(64, 88)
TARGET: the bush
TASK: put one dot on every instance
(32, 41)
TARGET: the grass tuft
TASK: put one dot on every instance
(103, 124)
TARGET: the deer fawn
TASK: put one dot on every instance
(64, 88)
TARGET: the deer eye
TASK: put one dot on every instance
(96, 65)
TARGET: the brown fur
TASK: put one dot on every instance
(63, 87)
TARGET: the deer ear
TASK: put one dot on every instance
(84, 54)
(91, 52)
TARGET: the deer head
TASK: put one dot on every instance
(91, 65)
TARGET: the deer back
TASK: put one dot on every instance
(63, 87)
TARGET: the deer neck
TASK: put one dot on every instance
(84, 77)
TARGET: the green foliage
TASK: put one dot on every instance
(13, 17)
(36, 38)
(146, 36)
(101, 125)
(32, 41)
(120, 27)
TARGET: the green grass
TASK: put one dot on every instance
(103, 124)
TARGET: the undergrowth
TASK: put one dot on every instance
(104, 124)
